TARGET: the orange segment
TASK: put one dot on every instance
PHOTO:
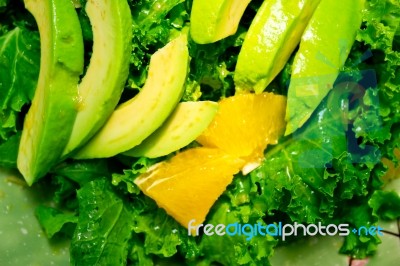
(245, 124)
(188, 184)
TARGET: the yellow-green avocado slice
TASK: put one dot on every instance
(48, 123)
(324, 48)
(211, 21)
(185, 124)
(273, 35)
(102, 85)
(136, 119)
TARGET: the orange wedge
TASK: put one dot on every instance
(188, 184)
(245, 124)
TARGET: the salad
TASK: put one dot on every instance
(286, 114)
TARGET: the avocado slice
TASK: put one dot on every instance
(185, 124)
(136, 119)
(48, 123)
(321, 56)
(103, 83)
(211, 21)
(272, 37)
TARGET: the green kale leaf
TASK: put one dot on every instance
(83, 171)
(19, 70)
(9, 151)
(104, 226)
(54, 221)
(380, 37)
(238, 249)
(154, 23)
(3, 3)
(161, 235)
(308, 176)
(385, 204)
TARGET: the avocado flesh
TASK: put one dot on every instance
(48, 123)
(319, 60)
(103, 83)
(136, 119)
(211, 21)
(273, 35)
(185, 124)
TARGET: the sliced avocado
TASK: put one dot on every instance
(49, 121)
(272, 37)
(136, 119)
(185, 124)
(211, 21)
(323, 51)
(102, 85)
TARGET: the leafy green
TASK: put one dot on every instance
(381, 24)
(358, 214)
(300, 171)
(154, 232)
(104, 226)
(54, 221)
(14, 14)
(3, 3)
(83, 171)
(19, 70)
(306, 177)
(107, 220)
(154, 22)
(87, 32)
(64, 192)
(375, 118)
(211, 69)
(128, 175)
(385, 204)
(161, 235)
(235, 250)
(9, 151)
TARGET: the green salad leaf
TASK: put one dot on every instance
(236, 250)
(53, 221)
(154, 23)
(83, 171)
(19, 69)
(3, 3)
(381, 25)
(9, 151)
(385, 204)
(104, 226)
(161, 235)
(311, 169)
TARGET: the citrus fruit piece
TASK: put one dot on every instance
(187, 185)
(245, 124)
